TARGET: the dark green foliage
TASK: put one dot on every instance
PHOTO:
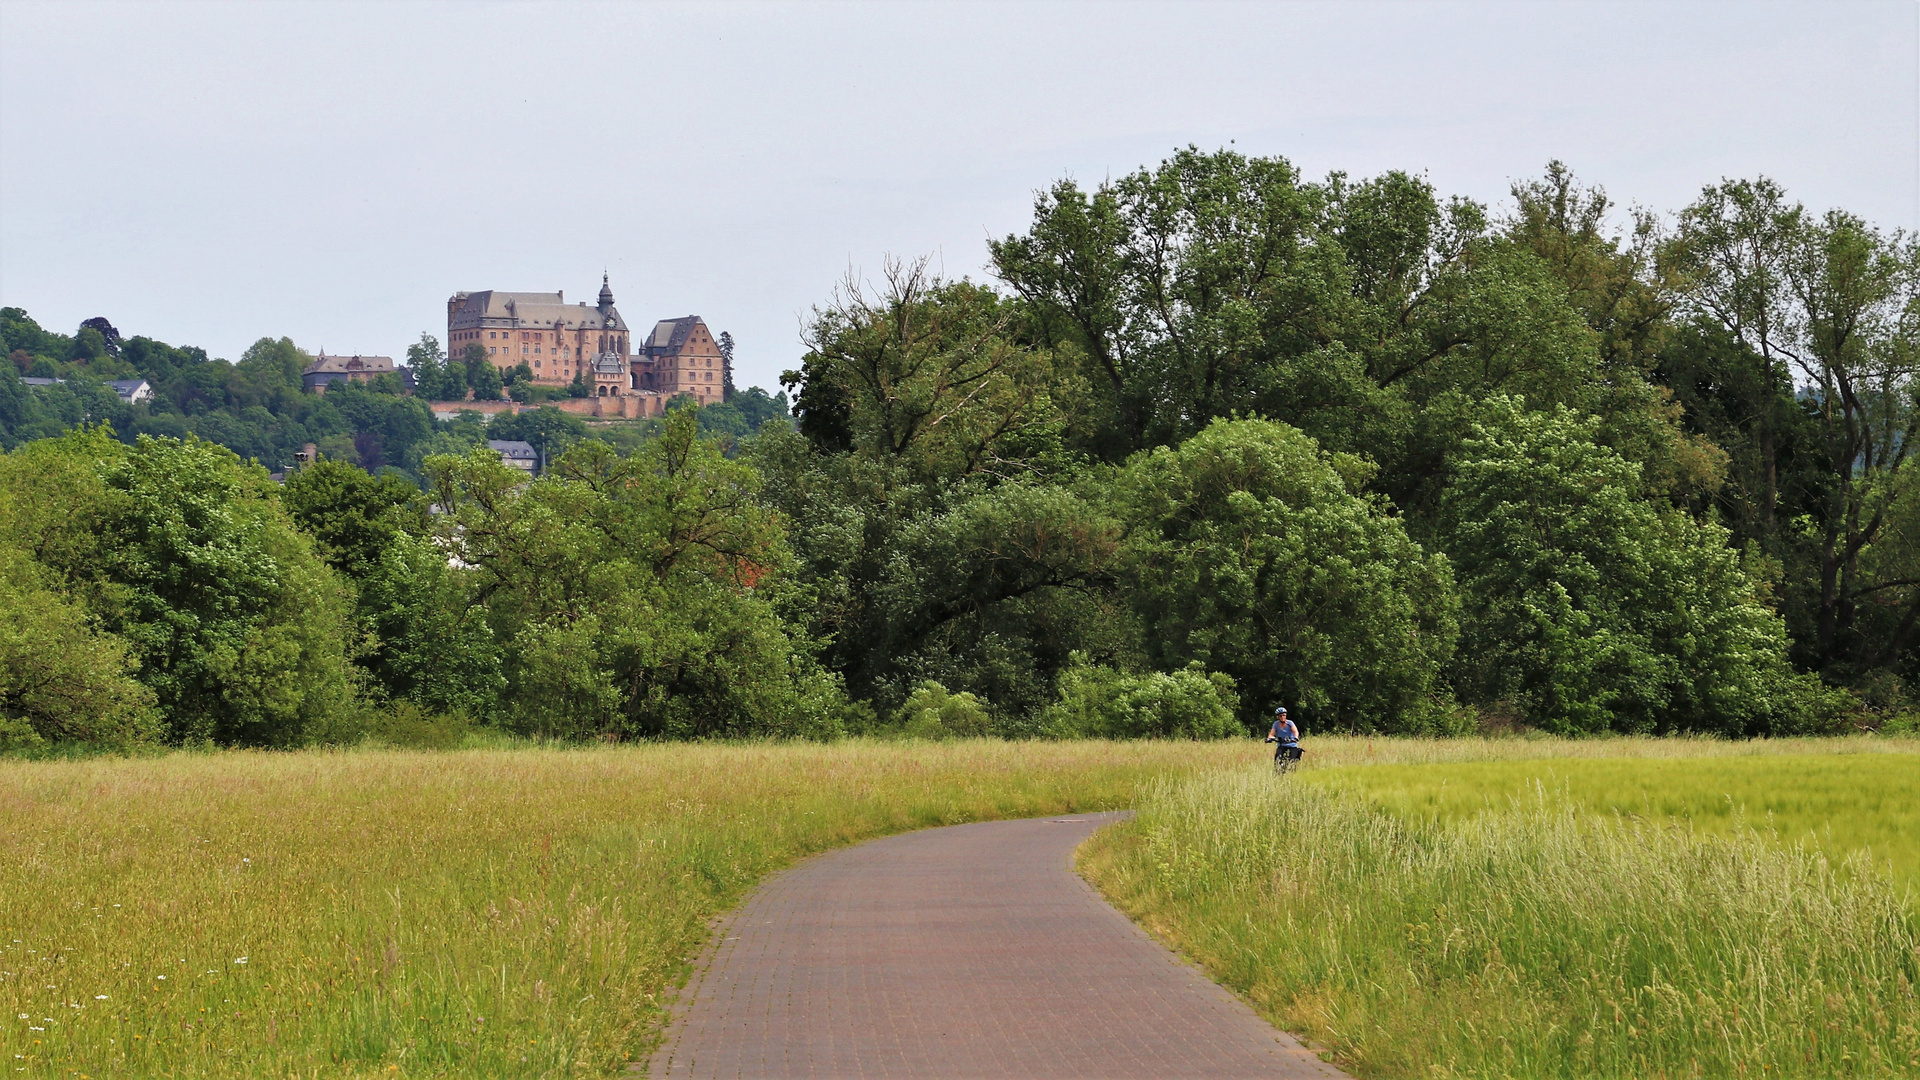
(429, 642)
(432, 644)
(1247, 552)
(636, 596)
(742, 413)
(1229, 437)
(548, 430)
(434, 379)
(352, 515)
(483, 378)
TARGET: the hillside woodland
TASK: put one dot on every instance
(1211, 437)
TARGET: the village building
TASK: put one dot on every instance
(327, 370)
(130, 390)
(516, 453)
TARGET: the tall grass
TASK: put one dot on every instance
(482, 913)
(1333, 751)
(1841, 803)
(1544, 940)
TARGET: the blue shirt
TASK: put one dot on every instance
(1285, 733)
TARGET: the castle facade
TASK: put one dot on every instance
(560, 342)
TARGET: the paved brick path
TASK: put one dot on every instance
(971, 951)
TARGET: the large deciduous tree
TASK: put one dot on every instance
(240, 630)
(1588, 608)
(635, 596)
(1248, 550)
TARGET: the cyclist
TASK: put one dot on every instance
(1286, 735)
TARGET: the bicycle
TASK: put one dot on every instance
(1286, 759)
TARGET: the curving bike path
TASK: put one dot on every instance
(969, 951)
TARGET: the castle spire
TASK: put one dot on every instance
(606, 295)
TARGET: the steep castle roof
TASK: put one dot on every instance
(670, 335)
(533, 310)
(324, 364)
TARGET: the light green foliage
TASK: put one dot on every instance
(1101, 703)
(428, 362)
(1541, 940)
(443, 443)
(934, 712)
(637, 595)
(1620, 287)
(241, 631)
(1246, 552)
(1590, 609)
(61, 680)
(268, 373)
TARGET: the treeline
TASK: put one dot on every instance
(258, 408)
(1218, 438)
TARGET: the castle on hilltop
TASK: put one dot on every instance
(561, 342)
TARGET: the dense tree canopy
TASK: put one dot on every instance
(1213, 437)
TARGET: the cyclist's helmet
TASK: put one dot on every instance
(1281, 711)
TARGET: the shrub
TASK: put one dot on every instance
(934, 712)
(406, 724)
(1101, 703)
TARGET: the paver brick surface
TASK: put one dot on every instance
(970, 951)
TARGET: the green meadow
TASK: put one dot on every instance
(516, 913)
(1415, 907)
(1838, 803)
(1617, 908)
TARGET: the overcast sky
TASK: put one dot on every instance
(212, 173)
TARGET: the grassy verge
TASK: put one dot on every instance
(1538, 937)
(482, 913)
